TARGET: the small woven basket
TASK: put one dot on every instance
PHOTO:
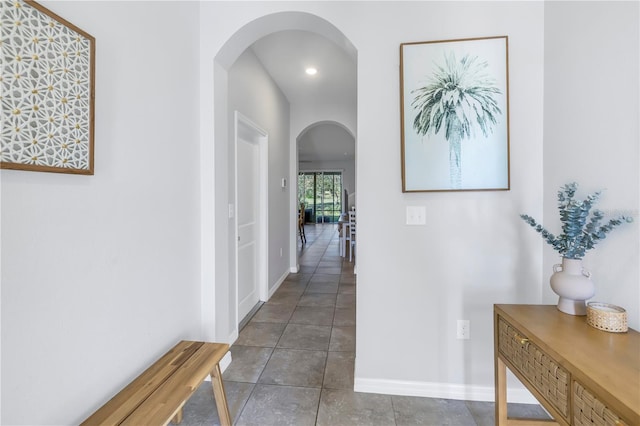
(607, 317)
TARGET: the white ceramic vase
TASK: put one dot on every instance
(573, 284)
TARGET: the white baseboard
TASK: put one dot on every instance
(294, 269)
(439, 390)
(276, 286)
(225, 361)
(235, 332)
(233, 336)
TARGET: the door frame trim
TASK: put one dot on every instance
(262, 142)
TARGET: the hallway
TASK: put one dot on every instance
(293, 363)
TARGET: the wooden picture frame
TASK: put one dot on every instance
(48, 91)
(454, 110)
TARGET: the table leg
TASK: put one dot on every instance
(501, 393)
(221, 398)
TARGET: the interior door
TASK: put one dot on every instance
(248, 225)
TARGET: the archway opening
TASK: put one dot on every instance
(216, 214)
(326, 171)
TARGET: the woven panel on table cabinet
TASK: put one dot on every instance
(549, 378)
(589, 411)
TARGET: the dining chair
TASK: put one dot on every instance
(343, 233)
(303, 237)
(352, 233)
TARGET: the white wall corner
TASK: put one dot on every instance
(294, 269)
(276, 286)
(233, 336)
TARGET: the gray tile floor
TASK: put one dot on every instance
(293, 362)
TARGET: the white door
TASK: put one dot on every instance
(248, 163)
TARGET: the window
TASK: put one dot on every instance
(321, 193)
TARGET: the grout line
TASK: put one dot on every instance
(316, 239)
(393, 410)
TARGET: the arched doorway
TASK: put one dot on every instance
(326, 171)
(219, 306)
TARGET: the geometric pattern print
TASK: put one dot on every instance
(45, 90)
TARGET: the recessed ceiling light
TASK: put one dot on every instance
(311, 71)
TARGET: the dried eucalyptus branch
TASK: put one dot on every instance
(580, 232)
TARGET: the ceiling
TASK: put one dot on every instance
(286, 55)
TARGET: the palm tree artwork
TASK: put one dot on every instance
(459, 98)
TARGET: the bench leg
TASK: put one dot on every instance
(177, 419)
(221, 398)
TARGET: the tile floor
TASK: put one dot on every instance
(293, 361)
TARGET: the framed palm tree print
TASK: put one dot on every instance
(454, 103)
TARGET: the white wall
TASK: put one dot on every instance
(592, 116)
(303, 116)
(415, 282)
(256, 96)
(241, 84)
(100, 274)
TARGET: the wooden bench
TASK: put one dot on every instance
(157, 396)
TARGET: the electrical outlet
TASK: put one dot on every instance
(463, 331)
(416, 215)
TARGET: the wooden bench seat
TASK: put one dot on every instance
(157, 396)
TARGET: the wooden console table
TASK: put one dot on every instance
(581, 375)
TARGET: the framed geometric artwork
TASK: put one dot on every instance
(454, 108)
(47, 86)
